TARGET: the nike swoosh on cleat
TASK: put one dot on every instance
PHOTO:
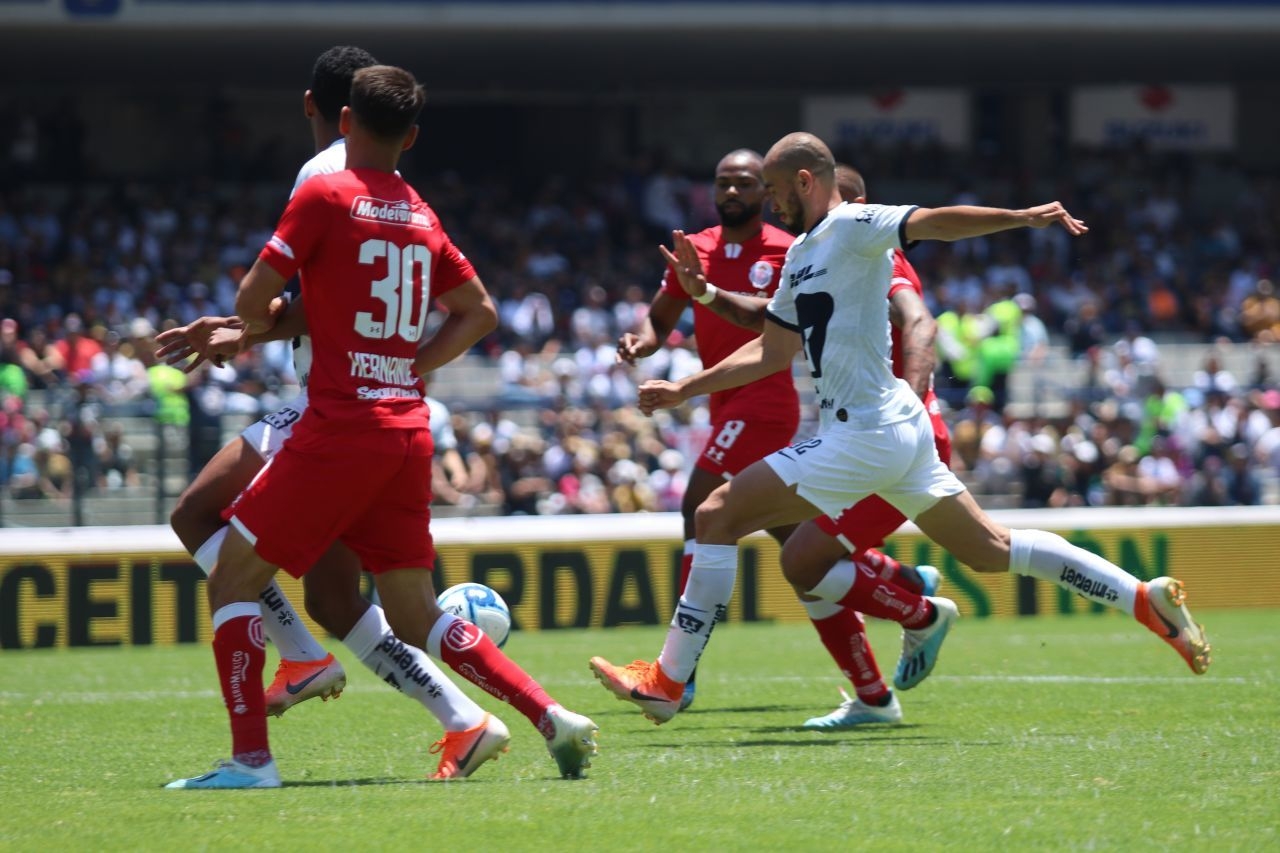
(636, 694)
(295, 689)
(1173, 629)
(466, 759)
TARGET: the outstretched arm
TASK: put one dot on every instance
(471, 317)
(963, 221)
(737, 308)
(756, 359)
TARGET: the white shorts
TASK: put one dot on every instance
(269, 434)
(844, 464)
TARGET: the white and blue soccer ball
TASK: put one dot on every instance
(480, 606)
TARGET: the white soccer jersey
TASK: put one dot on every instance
(327, 162)
(834, 287)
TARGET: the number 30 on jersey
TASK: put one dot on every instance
(396, 290)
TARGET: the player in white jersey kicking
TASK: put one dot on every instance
(874, 437)
(333, 599)
(882, 588)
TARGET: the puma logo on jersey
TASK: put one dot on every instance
(804, 274)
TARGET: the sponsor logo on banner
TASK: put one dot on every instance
(935, 116)
(1165, 117)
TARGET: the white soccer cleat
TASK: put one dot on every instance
(1161, 606)
(573, 743)
(231, 774)
(920, 646)
(853, 712)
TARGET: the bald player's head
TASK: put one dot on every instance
(739, 188)
(799, 173)
(797, 151)
(740, 159)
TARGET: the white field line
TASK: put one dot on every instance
(99, 697)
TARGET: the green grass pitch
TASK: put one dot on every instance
(1050, 733)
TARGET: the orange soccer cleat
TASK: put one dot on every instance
(462, 753)
(643, 684)
(298, 681)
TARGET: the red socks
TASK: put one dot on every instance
(471, 654)
(239, 649)
(845, 637)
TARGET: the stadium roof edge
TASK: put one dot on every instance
(902, 17)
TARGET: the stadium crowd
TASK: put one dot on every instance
(1180, 247)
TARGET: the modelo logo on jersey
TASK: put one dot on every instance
(462, 635)
(390, 212)
(761, 274)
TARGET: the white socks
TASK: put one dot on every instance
(704, 603)
(409, 670)
(1049, 557)
(820, 609)
(837, 582)
(280, 622)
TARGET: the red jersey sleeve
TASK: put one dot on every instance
(671, 286)
(904, 275)
(452, 269)
(301, 228)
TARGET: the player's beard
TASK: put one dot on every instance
(738, 213)
(791, 215)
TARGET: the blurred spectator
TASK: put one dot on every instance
(120, 376)
(1260, 313)
(75, 349)
(116, 466)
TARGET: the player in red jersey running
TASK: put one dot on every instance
(365, 435)
(743, 254)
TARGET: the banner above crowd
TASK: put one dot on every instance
(1196, 118)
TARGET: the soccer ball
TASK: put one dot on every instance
(481, 606)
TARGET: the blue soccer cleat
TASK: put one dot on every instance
(233, 774)
(854, 712)
(920, 646)
(930, 579)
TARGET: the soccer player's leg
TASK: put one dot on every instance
(958, 524)
(734, 443)
(843, 634)
(852, 470)
(239, 650)
(197, 520)
(394, 542)
(333, 599)
(755, 499)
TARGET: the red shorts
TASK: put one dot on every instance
(867, 523)
(318, 489)
(735, 444)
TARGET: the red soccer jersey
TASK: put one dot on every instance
(752, 268)
(371, 255)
